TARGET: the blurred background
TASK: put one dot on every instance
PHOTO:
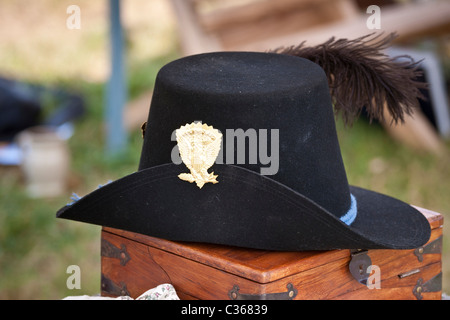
(59, 95)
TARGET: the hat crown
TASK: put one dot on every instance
(281, 105)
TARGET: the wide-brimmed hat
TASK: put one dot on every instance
(240, 148)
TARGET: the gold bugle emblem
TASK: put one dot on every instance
(199, 146)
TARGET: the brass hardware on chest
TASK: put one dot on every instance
(234, 294)
(111, 251)
(432, 247)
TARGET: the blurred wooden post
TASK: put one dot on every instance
(416, 132)
(116, 91)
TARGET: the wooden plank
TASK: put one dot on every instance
(416, 132)
(193, 39)
(405, 19)
(251, 12)
(257, 265)
(276, 25)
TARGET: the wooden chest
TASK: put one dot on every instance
(133, 263)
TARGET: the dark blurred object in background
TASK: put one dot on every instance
(18, 110)
(25, 105)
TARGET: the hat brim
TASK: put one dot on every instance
(245, 209)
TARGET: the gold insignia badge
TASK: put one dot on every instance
(199, 146)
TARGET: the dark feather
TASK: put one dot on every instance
(361, 75)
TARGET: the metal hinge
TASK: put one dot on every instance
(234, 294)
(359, 264)
(111, 251)
(432, 285)
(112, 288)
(432, 247)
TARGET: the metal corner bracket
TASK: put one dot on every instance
(290, 294)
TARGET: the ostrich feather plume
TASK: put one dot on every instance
(360, 74)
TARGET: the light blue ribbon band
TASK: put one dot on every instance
(350, 216)
(76, 197)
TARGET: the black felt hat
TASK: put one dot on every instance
(287, 190)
